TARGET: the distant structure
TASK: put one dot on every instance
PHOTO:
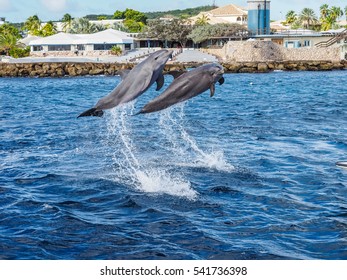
(259, 17)
(2, 20)
(227, 14)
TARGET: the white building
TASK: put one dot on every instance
(81, 43)
(108, 23)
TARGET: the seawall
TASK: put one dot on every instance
(61, 69)
(264, 51)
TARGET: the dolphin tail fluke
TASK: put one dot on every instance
(93, 112)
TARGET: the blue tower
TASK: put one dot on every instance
(259, 17)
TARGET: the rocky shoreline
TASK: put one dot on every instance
(61, 69)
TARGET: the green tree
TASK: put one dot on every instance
(133, 26)
(67, 22)
(118, 15)
(48, 29)
(134, 21)
(171, 29)
(135, 15)
(307, 18)
(19, 52)
(203, 33)
(7, 28)
(291, 17)
(32, 25)
(84, 26)
(178, 30)
(155, 29)
(336, 12)
(329, 16)
(8, 41)
(346, 12)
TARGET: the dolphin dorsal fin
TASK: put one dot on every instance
(123, 73)
(212, 89)
(160, 81)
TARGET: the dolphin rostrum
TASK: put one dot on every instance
(134, 83)
(186, 86)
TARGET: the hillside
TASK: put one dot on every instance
(180, 13)
(176, 13)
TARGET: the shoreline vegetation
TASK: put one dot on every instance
(73, 69)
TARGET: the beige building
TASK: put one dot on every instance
(227, 14)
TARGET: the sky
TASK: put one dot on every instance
(20, 10)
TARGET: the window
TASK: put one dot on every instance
(55, 48)
(103, 47)
(37, 48)
(307, 43)
(238, 19)
(127, 47)
(81, 47)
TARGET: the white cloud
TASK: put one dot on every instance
(54, 5)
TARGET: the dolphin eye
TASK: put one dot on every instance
(156, 58)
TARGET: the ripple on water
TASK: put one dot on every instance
(248, 174)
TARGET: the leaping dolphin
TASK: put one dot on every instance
(134, 83)
(342, 164)
(186, 86)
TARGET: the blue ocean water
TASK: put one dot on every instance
(247, 174)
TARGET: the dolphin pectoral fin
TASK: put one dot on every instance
(160, 82)
(92, 112)
(221, 81)
(123, 73)
(212, 89)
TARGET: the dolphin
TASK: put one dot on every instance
(134, 83)
(186, 86)
(342, 164)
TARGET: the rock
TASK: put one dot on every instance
(96, 71)
(262, 67)
(247, 70)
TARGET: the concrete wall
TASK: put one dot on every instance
(263, 51)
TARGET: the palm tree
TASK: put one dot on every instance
(291, 17)
(67, 22)
(324, 11)
(83, 26)
(32, 25)
(48, 29)
(307, 17)
(330, 17)
(202, 20)
(336, 12)
(7, 42)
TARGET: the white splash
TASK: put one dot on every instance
(136, 171)
(159, 181)
(182, 142)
